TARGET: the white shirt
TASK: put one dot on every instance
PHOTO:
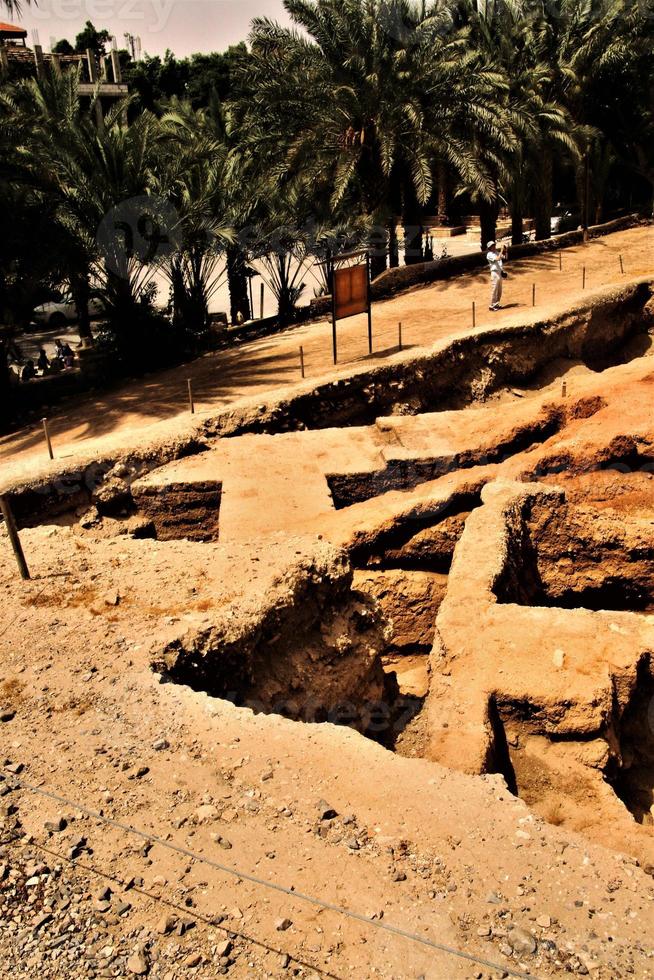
(496, 264)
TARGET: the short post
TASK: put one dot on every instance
(12, 531)
(621, 266)
(261, 303)
(560, 262)
(474, 314)
(564, 389)
(399, 335)
(46, 433)
(302, 361)
(191, 403)
(584, 279)
(533, 294)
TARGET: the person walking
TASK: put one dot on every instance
(495, 259)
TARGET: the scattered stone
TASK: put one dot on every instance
(137, 963)
(521, 941)
(283, 924)
(161, 744)
(166, 924)
(325, 811)
(7, 714)
(193, 960)
(544, 921)
(55, 826)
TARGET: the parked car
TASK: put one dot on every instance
(58, 313)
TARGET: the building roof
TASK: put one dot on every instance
(10, 30)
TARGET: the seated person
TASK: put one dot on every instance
(28, 371)
(56, 365)
(43, 363)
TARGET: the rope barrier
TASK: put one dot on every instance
(275, 886)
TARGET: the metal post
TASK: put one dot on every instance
(564, 390)
(369, 305)
(621, 266)
(560, 262)
(533, 294)
(584, 278)
(302, 361)
(474, 314)
(46, 433)
(191, 403)
(399, 335)
(251, 298)
(12, 531)
(261, 303)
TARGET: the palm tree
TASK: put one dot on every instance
(195, 174)
(376, 108)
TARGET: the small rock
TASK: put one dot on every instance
(161, 744)
(325, 811)
(55, 826)
(224, 949)
(6, 714)
(544, 921)
(193, 960)
(521, 941)
(166, 924)
(283, 924)
(137, 963)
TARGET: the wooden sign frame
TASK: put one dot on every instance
(351, 293)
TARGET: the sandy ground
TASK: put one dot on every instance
(157, 405)
(222, 793)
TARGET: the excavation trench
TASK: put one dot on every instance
(341, 644)
(470, 369)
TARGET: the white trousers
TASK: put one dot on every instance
(496, 290)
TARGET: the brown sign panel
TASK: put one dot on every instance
(351, 291)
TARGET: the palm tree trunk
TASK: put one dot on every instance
(516, 214)
(543, 206)
(443, 216)
(238, 285)
(488, 211)
(81, 292)
(413, 228)
(393, 251)
(5, 391)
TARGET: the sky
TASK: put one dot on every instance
(184, 26)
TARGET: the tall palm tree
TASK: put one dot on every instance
(194, 179)
(376, 107)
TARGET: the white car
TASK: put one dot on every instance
(58, 313)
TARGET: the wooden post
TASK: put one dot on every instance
(533, 294)
(46, 433)
(474, 314)
(191, 403)
(12, 531)
(4, 59)
(564, 390)
(302, 360)
(584, 278)
(334, 341)
(399, 335)
(261, 303)
(621, 266)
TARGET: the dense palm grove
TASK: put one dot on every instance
(314, 138)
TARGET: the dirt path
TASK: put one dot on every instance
(157, 403)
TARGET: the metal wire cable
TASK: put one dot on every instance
(275, 886)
